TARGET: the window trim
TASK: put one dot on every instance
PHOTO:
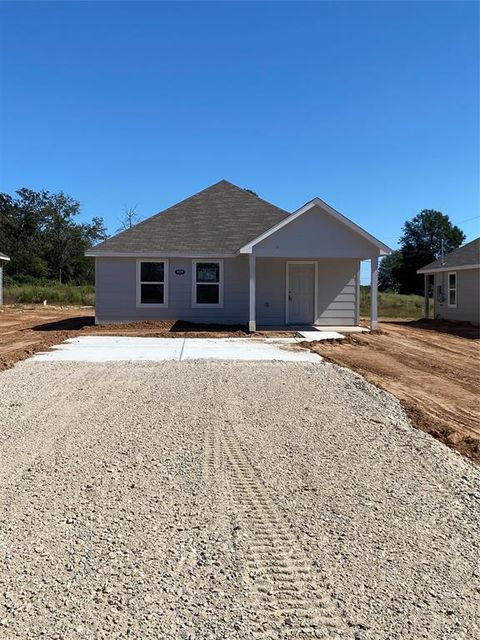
(139, 282)
(199, 305)
(452, 273)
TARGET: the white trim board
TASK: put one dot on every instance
(449, 268)
(384, 250)
(195, 304)
(138, 285)
(287, 286)
(449, 288)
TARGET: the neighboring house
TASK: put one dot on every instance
(226, 256)
(456, 284)
(3, 261)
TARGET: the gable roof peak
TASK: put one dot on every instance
(215, 221)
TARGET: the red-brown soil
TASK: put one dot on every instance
(432, 367)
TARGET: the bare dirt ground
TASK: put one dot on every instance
(432, 367)
(27, 329)
(228, 501)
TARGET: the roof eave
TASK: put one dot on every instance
(91, 253)
(450, 267)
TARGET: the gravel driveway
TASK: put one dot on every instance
(227, 501)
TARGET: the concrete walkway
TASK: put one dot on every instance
(113, 349)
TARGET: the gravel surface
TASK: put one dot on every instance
(228, 500)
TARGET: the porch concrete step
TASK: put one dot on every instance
(315, 336)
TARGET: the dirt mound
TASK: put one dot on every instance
(432, 367)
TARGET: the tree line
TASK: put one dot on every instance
(423, 239)
(40, 233)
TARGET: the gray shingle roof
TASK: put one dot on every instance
(218, 220)
(3, 256)
(463, 256)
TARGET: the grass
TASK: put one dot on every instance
(52, 292)
(393, 305)
(390, 305)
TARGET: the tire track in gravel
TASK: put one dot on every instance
(211, 458)
(282, 579)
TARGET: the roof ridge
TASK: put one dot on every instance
(254, 195)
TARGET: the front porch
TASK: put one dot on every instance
(329, 288)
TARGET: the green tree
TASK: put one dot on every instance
(80, 268)
(421, 242)
(21, 223)
(39, 231)
(389, 272)
(59, 233)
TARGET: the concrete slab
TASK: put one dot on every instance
(117, 349)
(345, 329)
(315, 336)
(313, 327)
(113, 349)
(225, 349)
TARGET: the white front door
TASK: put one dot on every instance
(300, 292)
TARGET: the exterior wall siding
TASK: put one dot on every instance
(336, 292)
(1, 285)
(316, 233)
(468, 296)
(116, 292)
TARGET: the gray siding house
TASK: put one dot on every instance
(3, 261)
(456, 284)
(226, 256)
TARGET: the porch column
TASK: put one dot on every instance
(374, 294)
(426, 300)
(252, 325)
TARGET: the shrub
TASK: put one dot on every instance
(52, 292)
(393, 305)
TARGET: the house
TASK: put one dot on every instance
(3, 261)
(456, 284)
(226, 256)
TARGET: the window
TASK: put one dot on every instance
(152, 283)
(452, 289)
(207, 283)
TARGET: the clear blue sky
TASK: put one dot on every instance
(371, 106)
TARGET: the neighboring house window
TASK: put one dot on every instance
(452, 289)
(152, 283)
(207, 283)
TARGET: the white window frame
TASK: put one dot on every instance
(139, 282)
(196, 304)
(455, 288)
